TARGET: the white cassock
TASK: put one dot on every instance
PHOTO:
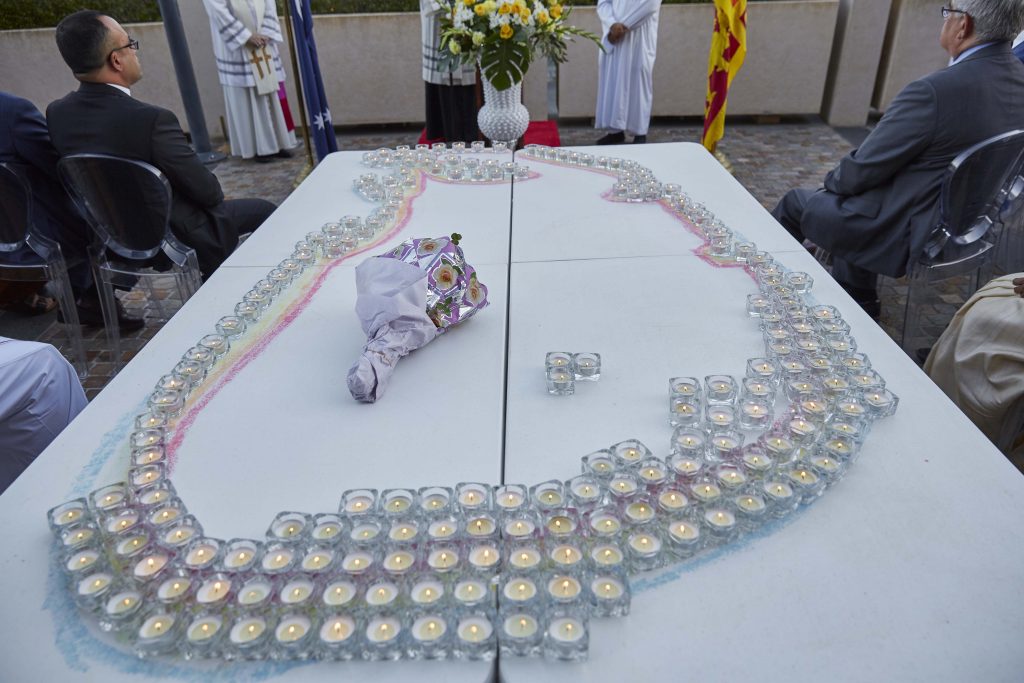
(256, 122)
(625, 89)
(39, 395)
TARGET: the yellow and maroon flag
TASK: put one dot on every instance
(728, 48)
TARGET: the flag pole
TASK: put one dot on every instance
(299, 92)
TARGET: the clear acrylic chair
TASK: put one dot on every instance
(45, 262)
(1009, 250)
(128, 206)
(973, 194)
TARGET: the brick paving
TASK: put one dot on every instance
(767, 158)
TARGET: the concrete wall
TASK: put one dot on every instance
(911, 48)
(371, 64)
(856, 54)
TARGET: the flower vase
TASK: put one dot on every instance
(503, 116)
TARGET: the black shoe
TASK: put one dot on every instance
(639, 139)
(284, 154)
(264, 158)
(90, 315)
(613, 139)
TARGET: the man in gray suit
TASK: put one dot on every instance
(880, 203)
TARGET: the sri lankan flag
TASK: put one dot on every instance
(728, 48)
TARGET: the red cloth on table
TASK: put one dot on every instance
(538, 133)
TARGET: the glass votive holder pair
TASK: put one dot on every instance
(684, 410)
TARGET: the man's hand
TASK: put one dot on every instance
(1018, 286)
(617, 32)
(258, 40)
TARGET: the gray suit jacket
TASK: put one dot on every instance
(882, 200)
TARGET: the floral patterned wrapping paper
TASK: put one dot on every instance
(454, 293)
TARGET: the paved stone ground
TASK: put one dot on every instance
(767, 158)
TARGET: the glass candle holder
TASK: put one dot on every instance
(609, 595)
(684, 411)
(77, 535)
(203, 635)
(521, 634)
(510, 499)
(585, 492)
(523, 558)
(644, 549)
(158, 633)
(757, 304)
(92, 589)
(723, 445)
(558, 360)
(218, 344)
(720, 524)
(337, 637)
(622, 487)
(472, 592)
(880, 402)
(755, 414)
(289, 527)
(337, 593)
(548, 495)
(167, 402)
(685, 386)
(802, 429)
(473, 497)
(780, 497)
(358, 561)
(565, 590)
(247, 637)
(560, 382)
(566, 636)
(435, 500)
(152, 565)
(278, 558)
(565, 557)
(587, 367)
(328, 528)
(255, 593)
(181, 533)
(443, 529)
(382, 595)
(481, 526)
(294, 636)
(398, 561)
(475, 638)
(215, 591)
(358, 501)
(397, 502)
(122, 610)
(604, 523)
(443, 557)
(318, 559)
(248, 311)
(806, 483)
(176, 588)
(166, 514)
(653, 472)
(751, 510)
(600, 465)
(629, 453)
(519, 592)
(429, 636)
(202, 553)
(406, 532)
(688, 442)
(720, 389)
(720, 417)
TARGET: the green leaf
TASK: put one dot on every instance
(504, 62)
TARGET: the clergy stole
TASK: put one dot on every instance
(261, 61)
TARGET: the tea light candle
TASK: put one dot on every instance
(683, 532)
(683, 409)
(524, 558)
(173, 588)
(201, 555)
(109, 497)
(520, 626)
(623, 486)
(752, 505)
(549, 497)
(672, 500)
(397, 503)
(121, 523)
(778, 445)
(566, 630)
(358, 504)
(706, 491)
(288, 529)
(685, 466)
(405, 531)
(338, 593)
(756, 461)
(398, 562)
(519, 528)
(520, 589)
(720, 520)
(639, 512)
(357, 562)
(213, 590)
(317, 560)
(442, 529)
(82, 560)
(148, 456)
(427, 592)
(149, 566)
(629, 453)
(778, 491)
(429, 629)
(179, 535)
(720, 416)
(292, 629)
(814, 408)
(509, 499)
(803, 477)
(606, 555)
(164, 515)
(247, 630)
(563, 588)
(825, 464)
(94, 584)
(484, 556)
(599, 465)
(470, 591)
(644, 544)
(443, 559)
(557, 359)
(586, 491)
(380, 594)
(480, 526)
(132, 545)
(337, 629)
(383, 630)
(156, 626)
(363, 533)
(475, 629)
(123, 603)
(434, 502)
(204, 628)
(154, 497)
(801, 428)
(566, 555)
(240, 556)
(683, 387)
(731, 477)
(253, 593)
(296, 591)
(472, 497)
(607, 588)
(74, 537)
(560, 525)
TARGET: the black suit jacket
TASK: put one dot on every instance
(882, 200)
(25, 142)
(99, 118)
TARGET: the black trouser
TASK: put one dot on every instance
(451, 112)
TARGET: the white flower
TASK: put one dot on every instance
(478, 38)
(445, 277)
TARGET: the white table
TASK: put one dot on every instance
(910, 568)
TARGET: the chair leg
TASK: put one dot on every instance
(911, 315)
(108, 304)
(58, 274)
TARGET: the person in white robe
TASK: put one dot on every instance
(39, 396)
(625, 86)
(979, 363)
(256, 123)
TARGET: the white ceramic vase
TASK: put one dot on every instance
(503, 117)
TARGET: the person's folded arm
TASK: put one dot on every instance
(230, 29)
(903, 133)
(639, 12)
(175, 158)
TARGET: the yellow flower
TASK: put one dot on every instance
(506, 31)
(556, 11)
(504, 9)
(542, 17)
(468, 3)
(524, 15)
(480, 9)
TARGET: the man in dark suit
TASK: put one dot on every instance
(880, 203)
(103, 117)
(25, 144)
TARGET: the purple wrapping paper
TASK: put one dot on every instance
(405, 298)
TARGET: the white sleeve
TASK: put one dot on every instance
(639, 12)
(230, 30)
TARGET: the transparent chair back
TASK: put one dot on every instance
(38, 257)
(962, 245)
(128, 205)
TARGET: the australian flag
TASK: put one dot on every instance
(319, 126)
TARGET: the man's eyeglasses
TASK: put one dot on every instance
(946, 11)
(134, 44)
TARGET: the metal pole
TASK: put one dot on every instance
(187, 81)
(298, 88)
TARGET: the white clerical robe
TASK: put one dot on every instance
(625, 83)
(979, 363)
(256, 122)
(39, 395)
